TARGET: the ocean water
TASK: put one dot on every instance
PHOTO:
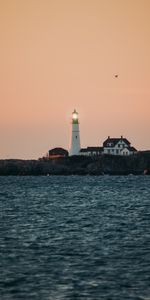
(75, 238)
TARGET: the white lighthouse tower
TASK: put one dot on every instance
(75, 137)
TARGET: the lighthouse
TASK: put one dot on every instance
(75, 136)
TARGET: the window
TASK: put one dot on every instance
(109, 144)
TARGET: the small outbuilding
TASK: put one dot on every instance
(91, 151)
(57, 152)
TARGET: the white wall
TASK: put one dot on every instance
(75, 141)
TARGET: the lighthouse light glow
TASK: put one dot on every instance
(75, 116)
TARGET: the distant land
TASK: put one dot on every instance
(137, 164)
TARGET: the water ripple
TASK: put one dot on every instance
(75, 238)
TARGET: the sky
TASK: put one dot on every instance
(61, 55)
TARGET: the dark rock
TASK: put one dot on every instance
(137, 164)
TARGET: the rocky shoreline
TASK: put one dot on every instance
(138, 164)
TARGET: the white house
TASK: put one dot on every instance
(118, 146)
(91, 151)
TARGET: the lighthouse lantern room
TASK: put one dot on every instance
(75, 135)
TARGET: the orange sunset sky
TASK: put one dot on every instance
(57, 55)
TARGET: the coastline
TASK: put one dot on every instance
(137, 164)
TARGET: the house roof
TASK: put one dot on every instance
(92, 149)
(58, 151)
(114, 141)
(83, 150)
(99, 149)
(132, 149)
